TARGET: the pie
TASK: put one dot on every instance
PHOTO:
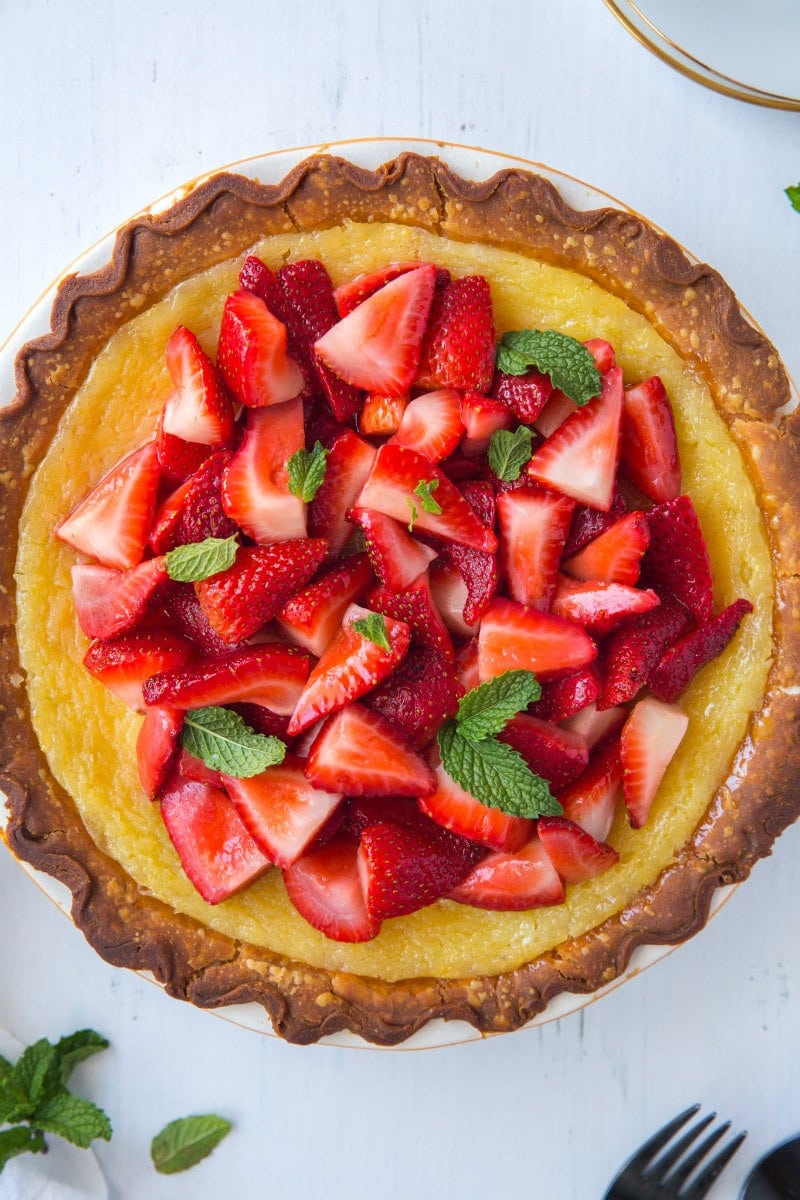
(94, 389)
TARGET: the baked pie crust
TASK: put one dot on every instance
(693, 310)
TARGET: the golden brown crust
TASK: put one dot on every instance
(688, 303)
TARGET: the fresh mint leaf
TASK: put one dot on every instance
(495, 774)
(223, 741)
(199, 560)
(307, 471)
(793, 192)
(568, 363)
(509, 452)
(20, 1140)
(373, 627)
(414, 514)
(184, 1142)
(36, 1075)
(424, 491)
(72, 1117)
(76, 1048)
(487, 709)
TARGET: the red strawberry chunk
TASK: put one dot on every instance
(600, 607)
(562, 698)
(194, 510)
(351, 665)
(325, 888)
(313, 616)
(512, 882)
(454, 809)
(421, 693)
(588, 523)
(349, 295)
(649, 456)
(397, 558)
(449, 592)
(282, 810)
(416, 607)
(459, 347)
(157, 748)
(478, 568)
(198, 410)
(406, 867)
(591, 800)
(252, 353)
(467, 665)
(525, 395)
(513, 637)
(241, 599)
(432, 424)
(181, 609)
(112, 523)
(255, 483)
(677, 558)
(377, 345)
(574, 853)
(346, 470)
(597, 725)
(603, 354)
(555, 413)
(533, 529)
(256, 277)
(359, 812)
(360, 754)
(649, 739)
(269, 674)
(557, 755)
(176, 458)
(124, 663)
(194, 768)
(108, 602)
(682, 661)
(217, 853)
(482, 417)
(616, 555)
(633, 652)
(382, 414)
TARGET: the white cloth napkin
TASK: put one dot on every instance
(65, 1173)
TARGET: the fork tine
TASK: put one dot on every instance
(662, 1166)
(682, 1172)
(705, 1179)
(645, 1155)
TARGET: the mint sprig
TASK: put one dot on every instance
(424, 491)
(509, 452)
(222, 740)
(793, 192)
(199, 560)
(488, 708)
(307, 471)
(569, 364)
(183, 1143)
(373, 628)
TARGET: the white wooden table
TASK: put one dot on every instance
(105, 106)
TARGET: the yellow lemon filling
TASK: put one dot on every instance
(89, 736)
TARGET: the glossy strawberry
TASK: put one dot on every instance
(421, 693)
(180, 609)
(198, 410)
(649, 739)
(479, 569)
(256, 277)
(381, 415)
(562, 698)
(124, 663)
(649, 456)
(252, 353)
(513, 636)
(482, 417)
(359, 812)
(597, 724)
(680, 664)
(591, 800)
(512, 881)
(109, 602)
(454, 809)
(271, 674)
(255, 483)
(432, 424)
(157, 748)
(346, 471)
(313, 616)
(459, 346)
(632, 653)
(397, 558)
(194, 510)
(406, 867)
(616, 555)
(602, 352)
(557, 755)
(360, 754)
(588, 523)
(325, 888)
(352, 293)
(600, 607)
(677, 558)
(449, 594)
(178, 459)
(524, 395)
(533, 524)
(574, 853)
(415, 606)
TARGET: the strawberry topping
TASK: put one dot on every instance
(406, 867)
(360, 754)
(459, 346)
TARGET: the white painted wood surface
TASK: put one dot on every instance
(105, 106)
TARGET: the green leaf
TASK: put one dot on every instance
(5, 1069)
(487, 708)
(495, 774)
(223, 741)
(20, 1140)
(373, 627)
(423, 491)
(307, 471)
(76, 1048)
(199, 560)
(35, 1076)
(72, 1117)
(509, 452)
(793, 192)
(414, 514)
(568, 363)
(186, 1141)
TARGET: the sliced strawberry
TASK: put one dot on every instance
(580, 458)
(198, 410)
(534, 524)
(416, 607)
(359, 812)
(682, 661)
(313, 616)
(217, 853)
(562, 698)
(591, 800)
(325, 888)
(321, 425)
(194, 768)
(270, 674)
(588, 523)
(262, 720)
(513, 637)
(616, 555)
(377, 345)
(346, 470)
(157, 748)
(349, 295)
(603, 354)
(176, 458)
(574, 853)
(600, 607)
(432, 425)
(554, 413)
(482, 416)
(525, 395)
(397, 558)
(181, 609)
(421, 693)
(449, 592)
(281, 809)
(512, 882)
(467, 665)
(649, 456)
(360, 754)
(108, 602)
(112, 523)
(649, 739)
(406, 867)
(252, 353)
(597, 725)
(194, 510)
(256, 277)
(459, 349)
(124, 663)
(632, 653)
(479, 570)
(241, 599)
(454, 809)
(392, 489)
(557, 755)
(677, 558)
(382, 415)
(255, 483)
(351, 665)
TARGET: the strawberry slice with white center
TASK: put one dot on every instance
(313, 616)
(557, 755)
(554, 413)
(351, 665)
(459, 346)
(597, 725)
(255, 483)
(677, 557)
(176, 458)
(616, 555)
(650, 737)
(649, 456)
(109, 602)
(377, 345)
(397, 558)
(217, 853)
(432, 424)
(415, 605)
(355, 291)
(325, 888)
(533, 524)
(591, 801)
(512, 882)
(588, 523)
(124, 663)
(600, 607)
(479, 570)
(194, 510)
(198, 410)
(454, 809)
(346, 471)
(158, 748)
(382, 415)
(482, 416)
(580, 459)
(514, 637)
(449, 592)
(406, 867)
(271, 674)
(281, 809)
(574, 853)
(467, 665)
(112, 523)
(398, 485)
(603, 354)
(360, 754)
(252, 353)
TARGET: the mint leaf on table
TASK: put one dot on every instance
(73, 1118)
(509, 452)
(793, 192)
(569, 364)
(199, 560)
(307, 471)
(487, 709)
(373, 628)
(19, 1140)
(184, 1142)
(76, 1048)
(495, 774)
(224, 742)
